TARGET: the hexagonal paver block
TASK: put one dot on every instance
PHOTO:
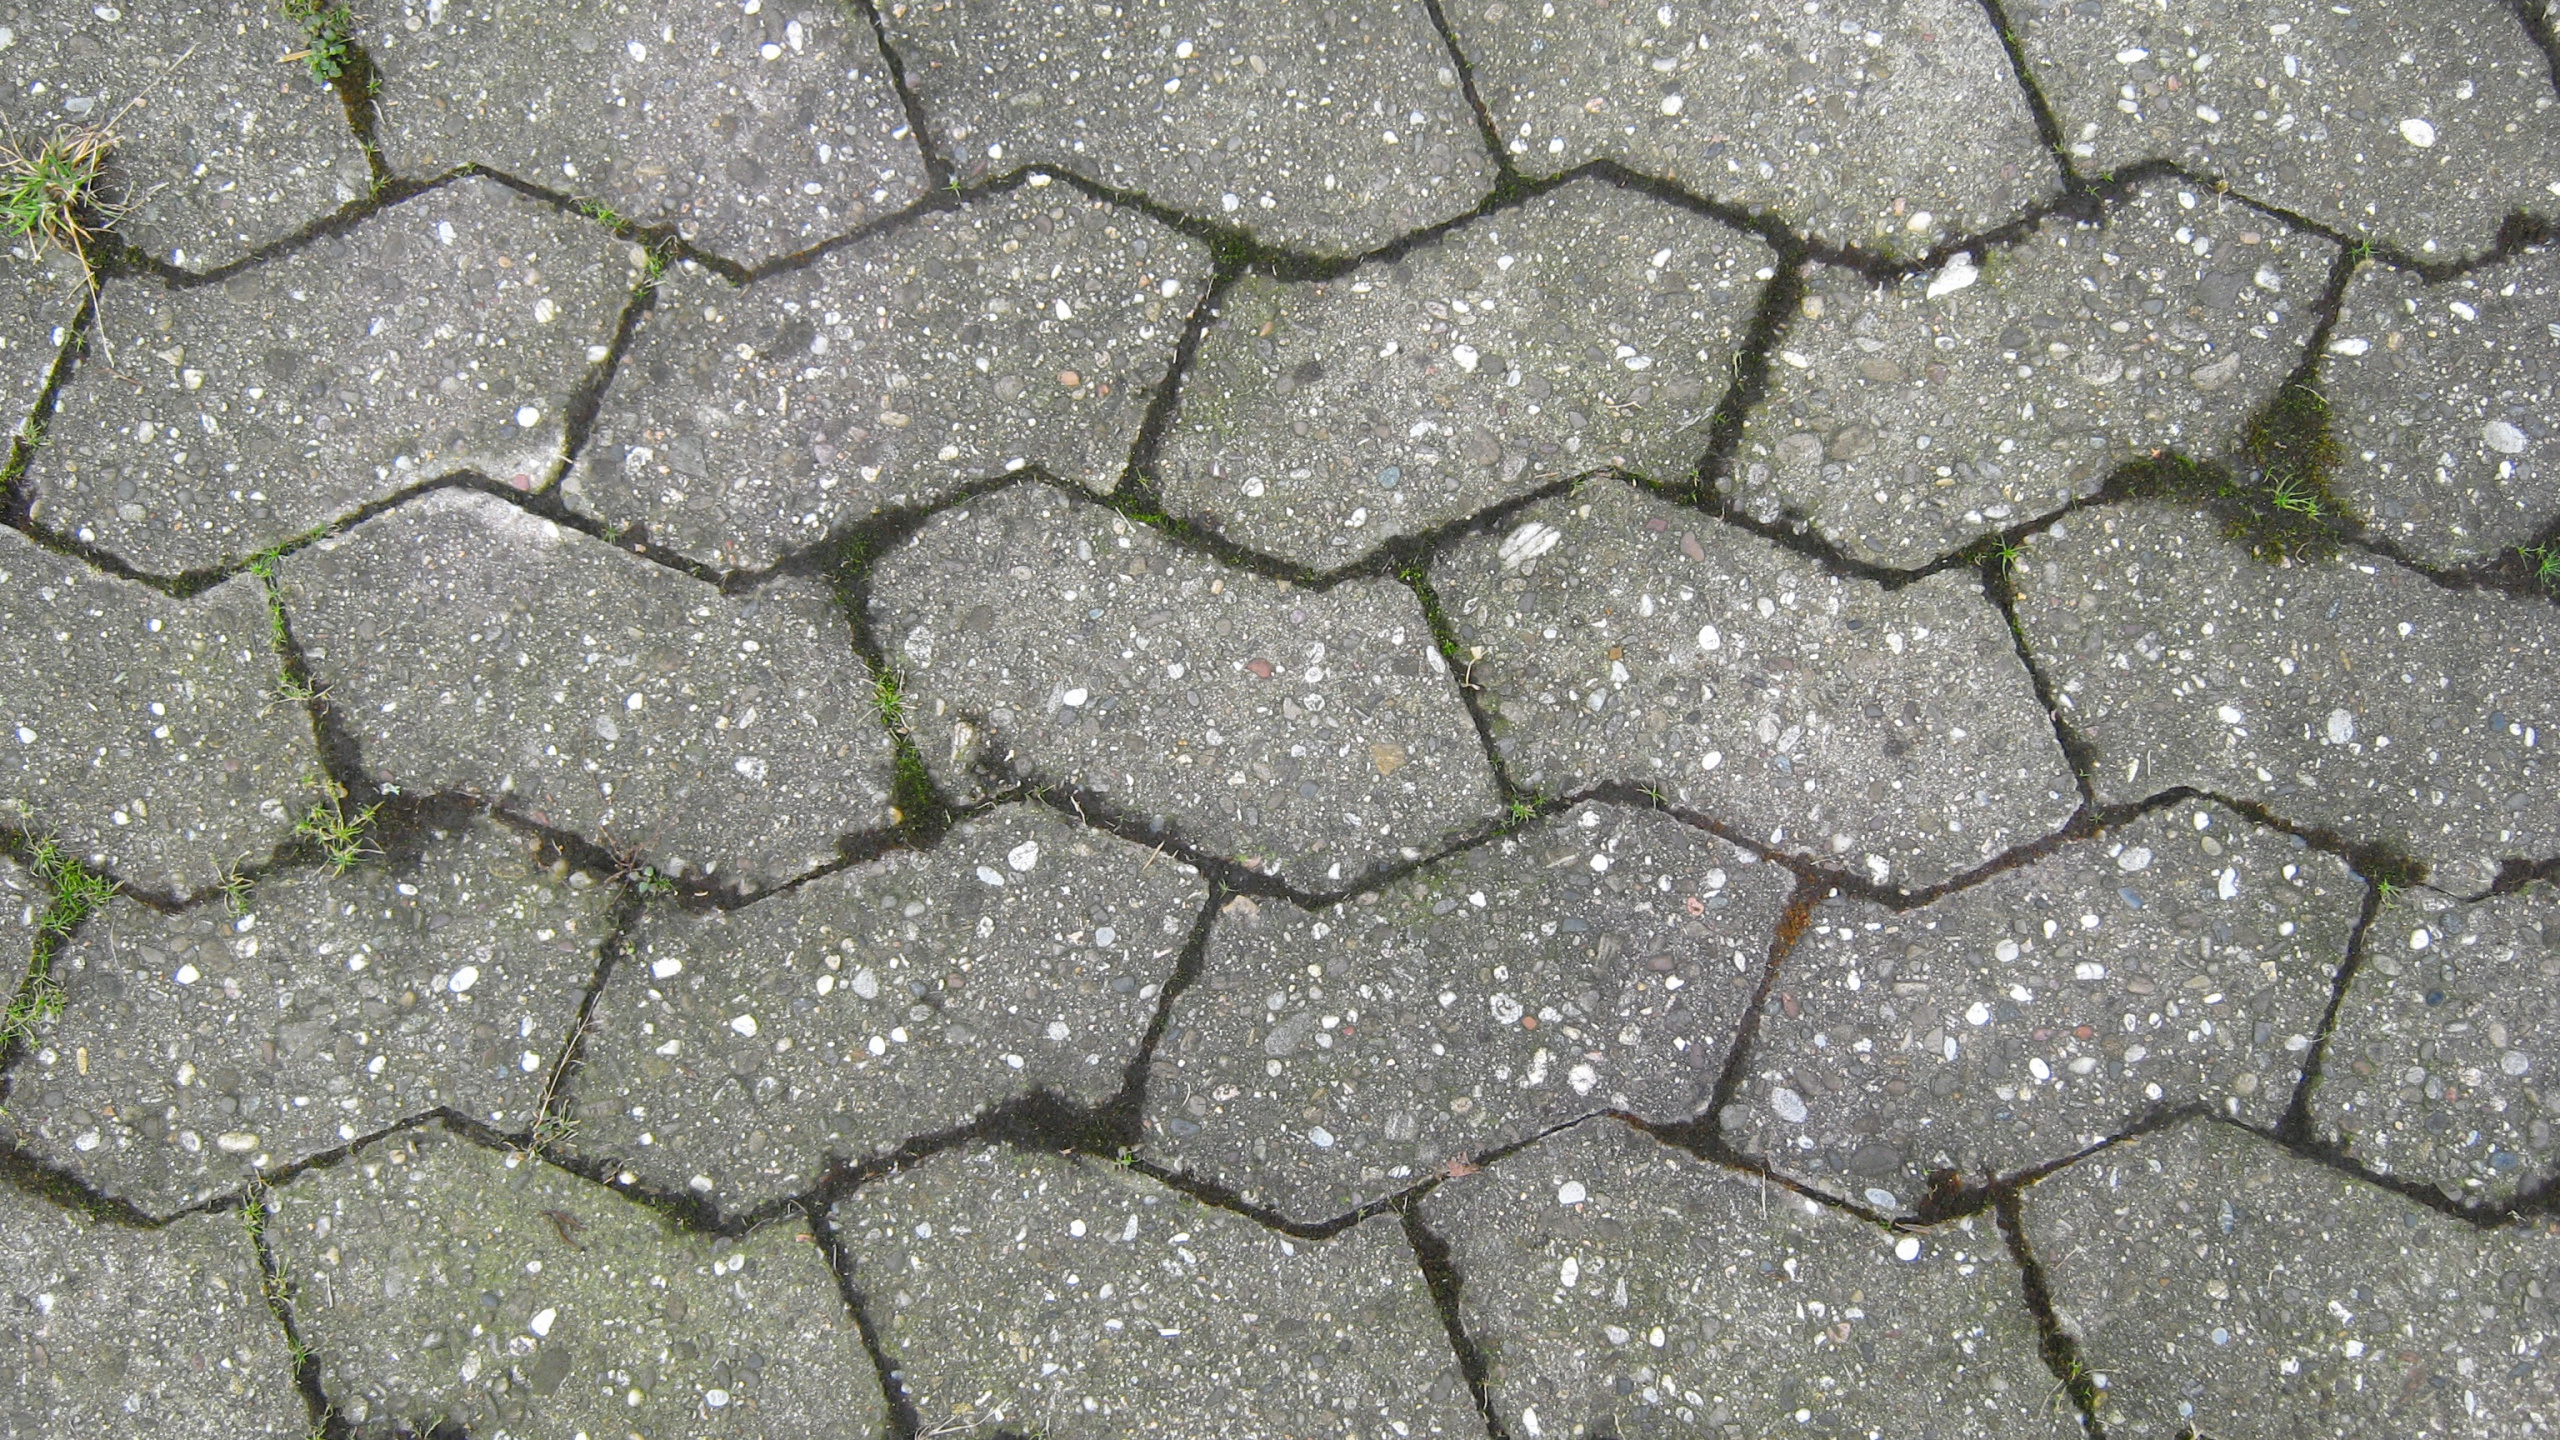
(2444, 397)
(1029, 328)
(124, 1331)
(218, 149)
(755, 133)
(736, 1052)
(2183, 959)
(2440, 1067)
(1619, 638)
(1332, 127)
(1061, 1294)
(42, 292)
(2357, 695)
(439, 1282)
(2420, 128)
(194, 1048)
(2219, 1285)
(475, 648)
(447, 334)
(1910, 420)
(1591, 326)
(1620, 1287)
(1311, 732)
(1602, 960)
(145, 733)
(1894, 124)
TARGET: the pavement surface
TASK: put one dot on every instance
(1512, 718)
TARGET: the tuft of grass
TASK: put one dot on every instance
(602, 214)
(49, 194)
(326, 50)
(338, 831)
(2543, 561)
(78, 892)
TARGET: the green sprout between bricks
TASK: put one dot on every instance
(49, 193)
(325, 49)
(337, 830)
(78, 892)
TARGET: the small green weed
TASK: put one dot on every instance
(646, 881)
(78, 892)
(49, 195)
(2544, 561)
(2279, 504)
(325, 51)
(339, 832)
(602, 214)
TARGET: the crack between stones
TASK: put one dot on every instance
(2056, 1345)
(276, 1287)
(1431, 1255)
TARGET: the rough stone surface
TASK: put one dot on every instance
(1619, 638)
(2352, 695)
(2444, 397)
(1908, 421)
(40, 293)
(23, 900)
(1330, 127)
(1073, 1298)
(2421, 127)
(122, 1331)
(2440, 1068)
(2183, 959)
(437, 1281)
(903, 997)
(2216, 1282)
(1835, 120)
(1592, 326)
(476, 648)
(446, 334)
(1621, 1287)
(756, 134)
(145, 733)
(1312, 732)
(1601, 960)
(1028, 329)
(194, 1049)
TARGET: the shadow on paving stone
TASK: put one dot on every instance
(1062, 1296)
(44, 290)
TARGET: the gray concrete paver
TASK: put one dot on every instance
(42, 292)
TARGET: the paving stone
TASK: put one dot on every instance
(1908, 421)
(1331, 127)
(2443, 396)
(734, 1053)
(1590, 326)
(1894, 124)
(235, 419)
(41, 293)
(1146, 1312)
(1311, 732)
(148, 734)
(437, 1281)
(194, 1048)
(755, 133)
(1027, 329)
(2356, 696)
(1620, 1287)
(2183, 959)
(125, 1331)
(23, 900)
(475, 648)
(2419, 128)
(1619, 638)
(2440, 1067)
(218, 149)
(2216, 1282)
(1600, 960)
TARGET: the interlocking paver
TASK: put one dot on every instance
(1620, 638)
(1027, 329)
(2419, 127)
(2219, 1285)
(1591, 326)
(1601, 960)
(734, 1053)
(1076, 1298)
(2441, 1063)
(143, 731)
(1893, 124)
(2184, 959)
(755, 133)
(42, 292)
(447, 334)
(1312, 732)
(1332, 127)
(2443, 396)
(195, 1048)
(1909, 421)
(1621, 1287)
(438, 1282)
(126, 1331)
(479, 649)
(2353, 695)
